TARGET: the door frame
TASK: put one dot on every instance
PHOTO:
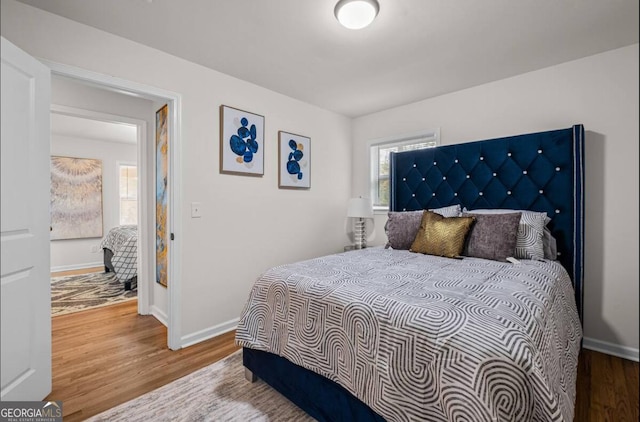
(174, 182)
(144, 251)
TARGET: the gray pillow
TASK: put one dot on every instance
(402, 226)
(549, 244)
(530, 243)
(493, 236)
(450, 211)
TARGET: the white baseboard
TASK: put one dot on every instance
(76, 266)
(610, 349)
(207, 333)
(159, 315)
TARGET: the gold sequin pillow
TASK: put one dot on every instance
(442, 236)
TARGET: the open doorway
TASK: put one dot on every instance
(94, 202)
(103, 197)
(136, 104)
(117, 131)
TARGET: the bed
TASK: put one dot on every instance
(383, 334)
(120, 252)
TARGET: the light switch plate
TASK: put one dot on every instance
(196, 210)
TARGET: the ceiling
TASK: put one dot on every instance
(415, 49)
(81, 128)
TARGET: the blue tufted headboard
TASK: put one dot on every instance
(538, 171)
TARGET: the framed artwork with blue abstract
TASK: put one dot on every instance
(241, 142)
(294, 161)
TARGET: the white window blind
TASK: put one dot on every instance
(379, 154)
(128, 175)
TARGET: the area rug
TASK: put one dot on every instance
(79, 292)
(218, 392)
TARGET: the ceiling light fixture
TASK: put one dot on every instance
(356, 14)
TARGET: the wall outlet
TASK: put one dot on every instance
(95, 248)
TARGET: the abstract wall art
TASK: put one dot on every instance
(241, 142)
(76, 198)
(294, 161)
(162, 192)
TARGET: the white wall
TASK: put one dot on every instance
(600, 92)
(76, 253)
(248, 224)
(69, 92)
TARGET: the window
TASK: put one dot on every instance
(379, 153)
(128, 193)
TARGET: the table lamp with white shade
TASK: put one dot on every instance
(360, 209)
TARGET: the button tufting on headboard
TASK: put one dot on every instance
(518, 172)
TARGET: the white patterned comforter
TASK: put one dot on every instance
(123, 242)
(418, 337)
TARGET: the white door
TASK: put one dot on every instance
(24, 228)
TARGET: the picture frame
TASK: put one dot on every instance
(162, 195)
(76, 184)
(241, 142)
(294, 161)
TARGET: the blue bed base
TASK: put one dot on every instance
(539, 171)
(320, 397)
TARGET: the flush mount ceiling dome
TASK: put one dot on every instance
(356, 14)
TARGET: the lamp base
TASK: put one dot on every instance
(360, 234)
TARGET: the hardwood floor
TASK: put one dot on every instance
(107, 356)
(78, 272)
(607, 388)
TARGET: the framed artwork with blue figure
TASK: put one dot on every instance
(241, 142)
(294, 161)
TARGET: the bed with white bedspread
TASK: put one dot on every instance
(120, 247)
(419, 337)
